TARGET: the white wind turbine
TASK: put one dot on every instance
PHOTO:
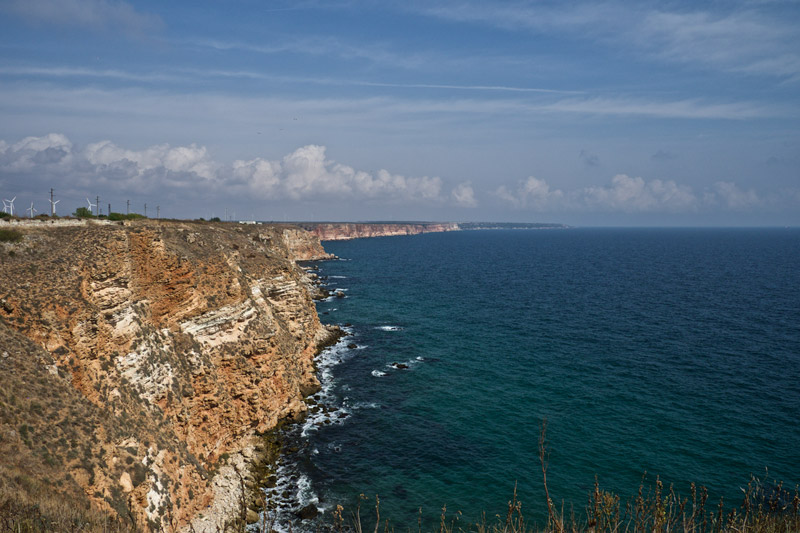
(8, 206)
(31, 210)
(91, 205)
(53, 207)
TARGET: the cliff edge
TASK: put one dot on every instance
(139, 362)
(337, 231)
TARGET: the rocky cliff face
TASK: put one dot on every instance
(304, 245)
(344, 231)
(168, 347)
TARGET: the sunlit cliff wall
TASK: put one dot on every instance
(166, 348)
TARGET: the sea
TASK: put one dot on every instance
(652, 354)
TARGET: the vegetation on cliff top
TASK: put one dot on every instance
(10, 235)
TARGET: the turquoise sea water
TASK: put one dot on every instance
(670, 351)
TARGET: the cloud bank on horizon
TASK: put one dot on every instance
(618, 112)
(307, 174)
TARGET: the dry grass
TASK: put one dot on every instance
(765, 508)
(23, 513)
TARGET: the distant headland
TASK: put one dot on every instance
(336, 231)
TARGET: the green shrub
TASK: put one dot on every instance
(120, 216)
(83, 212)
(10, 235)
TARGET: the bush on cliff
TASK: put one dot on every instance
(10, 235)
(120, 216)
(83, 212)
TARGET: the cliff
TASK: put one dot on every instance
(140, 361)
(304, 245)
(334, 231)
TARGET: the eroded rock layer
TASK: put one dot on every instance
(167, 347)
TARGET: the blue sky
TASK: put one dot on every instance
(588, 113)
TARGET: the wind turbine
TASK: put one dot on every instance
(91, 205)
(8, 206)
(53, 207)
(31, 210)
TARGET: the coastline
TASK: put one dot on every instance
(338, 231)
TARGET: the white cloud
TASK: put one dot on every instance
(94, 14)
(748, 39)
(463, 195)
(533, 193)
(635, 194)
(49, 151)
(260, 175)
(736, 198)
(325, 46)
(744, 41)
(190, 158)
(624, 194)
(687, 109)
(305, 173)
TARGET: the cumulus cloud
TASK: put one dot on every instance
(624, 194)
(463, 195)
(635, 194)
(305, 173)
(534, 193)
(53, 150)
(734, 197)
(188, 159)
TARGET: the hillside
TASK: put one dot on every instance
(139, 363)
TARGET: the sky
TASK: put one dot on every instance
(599, 113)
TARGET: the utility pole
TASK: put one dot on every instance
(97, 203)
(158, 212)
(145, 210)
(128, 209)
(109, 209)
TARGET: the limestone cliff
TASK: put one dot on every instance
(335, 231)
(304, 245)
(146, 357)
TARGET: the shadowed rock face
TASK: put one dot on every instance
(178, 341)
(344, 231)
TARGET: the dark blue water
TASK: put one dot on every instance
(672, 352)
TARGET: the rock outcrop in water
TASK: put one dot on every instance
(140, 360)
(337, 231)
